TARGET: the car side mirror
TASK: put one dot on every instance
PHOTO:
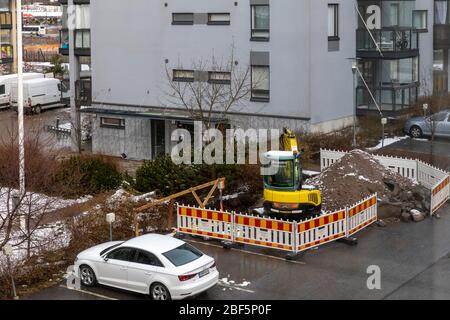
(105, 258)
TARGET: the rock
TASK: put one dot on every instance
(437, 216)
(426, 206)
(405, 216)
(381, 224)
(418, 205)
(417, 216)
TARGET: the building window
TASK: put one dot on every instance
(2, 89)
(182, 18)
(183, 75)
(333, 21)
(219, 77)
(394, 14)
(260, 23)
(420, 19)
(260, 83)
(441, 12)
(218, 18)
(82, 39)
(112, 123)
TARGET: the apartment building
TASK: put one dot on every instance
(75, 47)
(8, 40)
(302, 50)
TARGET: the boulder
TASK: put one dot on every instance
(389, 210)
(417, 216)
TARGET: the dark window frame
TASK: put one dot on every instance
(219, 23)
(112, 126)
(183, 22)
(2, 89)
(259, 91)
(335, 37)
(252, 22)
(183, 79)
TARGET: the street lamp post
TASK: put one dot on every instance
(20, 111)
(355, 103)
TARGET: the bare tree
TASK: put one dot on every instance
(21, 215)
(209, 90)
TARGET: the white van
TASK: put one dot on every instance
(40, 94)
(9, 81)
(35, 30)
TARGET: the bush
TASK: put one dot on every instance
(83, 175)
(165, 176)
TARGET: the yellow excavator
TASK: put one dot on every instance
(285, 195)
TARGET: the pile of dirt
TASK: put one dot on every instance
(358, 175)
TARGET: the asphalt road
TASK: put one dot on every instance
(34, 124)
(414, 260)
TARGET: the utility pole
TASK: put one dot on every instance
(20, 110)
(355, 103)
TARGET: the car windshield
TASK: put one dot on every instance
(182, 255)
(110, 248)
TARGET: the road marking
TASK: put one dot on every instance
(248, 252)
(88, 292)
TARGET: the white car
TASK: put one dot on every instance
(160, 266)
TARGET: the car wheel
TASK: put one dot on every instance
(159, 291)
(415, 132)
(87, 276)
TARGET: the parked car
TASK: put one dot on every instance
(422, 126)
(9, 81)
(160, 266)
(40, 94)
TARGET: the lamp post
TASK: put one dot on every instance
(110, 219)
(20, 112)
(355, 103)
(7, 250)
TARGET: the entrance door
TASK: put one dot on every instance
(158, 138)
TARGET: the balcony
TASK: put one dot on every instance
(5, 20)
(7, 53)
(64, 42)
(392, 98)
(83, 42)
(393, 42)
(441, 35)
(84, 92)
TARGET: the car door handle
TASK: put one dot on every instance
(148, 273)
(123, 268)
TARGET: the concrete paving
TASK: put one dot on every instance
(413, 258)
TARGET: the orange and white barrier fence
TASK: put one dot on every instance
(321, 230)
(203, 222)
(362, 215)
(283, 235)
(440, 194)
(263, 232)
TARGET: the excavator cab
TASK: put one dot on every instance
(285, 196)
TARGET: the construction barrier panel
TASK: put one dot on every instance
(321, 230)
(263, 232)
(362, 215)
(440, 194)
(203, 222)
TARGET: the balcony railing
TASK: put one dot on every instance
(441, 35)
(393, 42)
(392, 98)
(84, 92)
(6, 20)
(7, 53)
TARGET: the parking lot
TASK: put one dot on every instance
(414, 260)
